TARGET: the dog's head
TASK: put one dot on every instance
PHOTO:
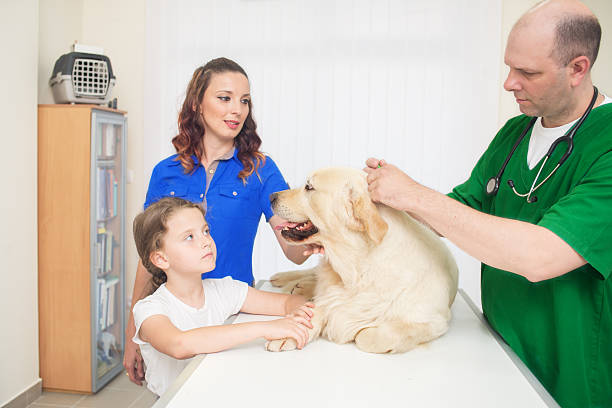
(332, 203)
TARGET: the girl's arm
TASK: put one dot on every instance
(159, 331)
(275, 304)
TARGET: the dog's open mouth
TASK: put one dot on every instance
(294, 231)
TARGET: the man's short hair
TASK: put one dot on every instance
(575, 36)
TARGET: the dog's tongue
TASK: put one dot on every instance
(286, 224)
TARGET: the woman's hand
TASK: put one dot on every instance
(132, 361)
(311, 249)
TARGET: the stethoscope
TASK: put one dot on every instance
(493, 184)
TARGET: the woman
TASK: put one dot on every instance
(218, 163)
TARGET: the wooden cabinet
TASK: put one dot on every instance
(81, 249)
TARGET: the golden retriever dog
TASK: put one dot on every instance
(386, 281)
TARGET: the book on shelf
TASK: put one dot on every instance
(104, 253)
(106, 289)
(107, 187)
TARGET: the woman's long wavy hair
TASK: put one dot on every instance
(150, 227)
(190, 140)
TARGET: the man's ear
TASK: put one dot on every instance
(364, 216)
(158, 258)
(579, 68)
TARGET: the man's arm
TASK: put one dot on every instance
(515, 246)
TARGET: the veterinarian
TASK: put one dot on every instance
(541, 226)
(218, 163)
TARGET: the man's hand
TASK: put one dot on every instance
(389, 185)
(132, 361)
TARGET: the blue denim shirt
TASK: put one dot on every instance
(233, 209)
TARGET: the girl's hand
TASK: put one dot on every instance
(304, 311)
(295, 302)
(293, 327)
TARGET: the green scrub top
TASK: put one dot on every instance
(561, 328)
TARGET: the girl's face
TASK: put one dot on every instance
(187, 247)
(225, 105)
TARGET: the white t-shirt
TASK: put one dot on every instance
(222, 298)
(542, 138)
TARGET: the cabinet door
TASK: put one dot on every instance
(107, 249)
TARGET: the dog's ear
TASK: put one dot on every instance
(364, 217)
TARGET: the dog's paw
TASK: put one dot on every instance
(281, 345)
(304, 288)
(373, 340)
(282, 278)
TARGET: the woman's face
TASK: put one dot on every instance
(225, 105)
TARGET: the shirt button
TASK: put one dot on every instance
(172, 193)
(234, 193)
(201, 195)
(211, 171)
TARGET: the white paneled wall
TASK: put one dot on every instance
(335, 82)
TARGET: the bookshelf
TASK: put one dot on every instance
(81, 249)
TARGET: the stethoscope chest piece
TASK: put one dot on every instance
(492, 185)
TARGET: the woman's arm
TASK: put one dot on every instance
(295, 253)
(132, 360)
(159, 331)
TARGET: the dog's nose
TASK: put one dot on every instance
(273, 198)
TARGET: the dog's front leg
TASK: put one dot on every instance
(300, 282)
(290, 344)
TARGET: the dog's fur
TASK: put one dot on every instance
(386, 281)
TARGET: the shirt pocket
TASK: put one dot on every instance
(236, 200)
(184, 192)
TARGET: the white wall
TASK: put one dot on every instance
(18, 242)
(602, 70)
(60, 25)
(336, 82)
(309, 85)
(118, 27)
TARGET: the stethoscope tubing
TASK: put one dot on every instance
(492, 186)
(497, 178)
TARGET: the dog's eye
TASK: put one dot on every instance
(308, 187)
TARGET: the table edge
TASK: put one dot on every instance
(531, 379)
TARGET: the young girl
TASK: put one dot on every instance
(185, 315)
